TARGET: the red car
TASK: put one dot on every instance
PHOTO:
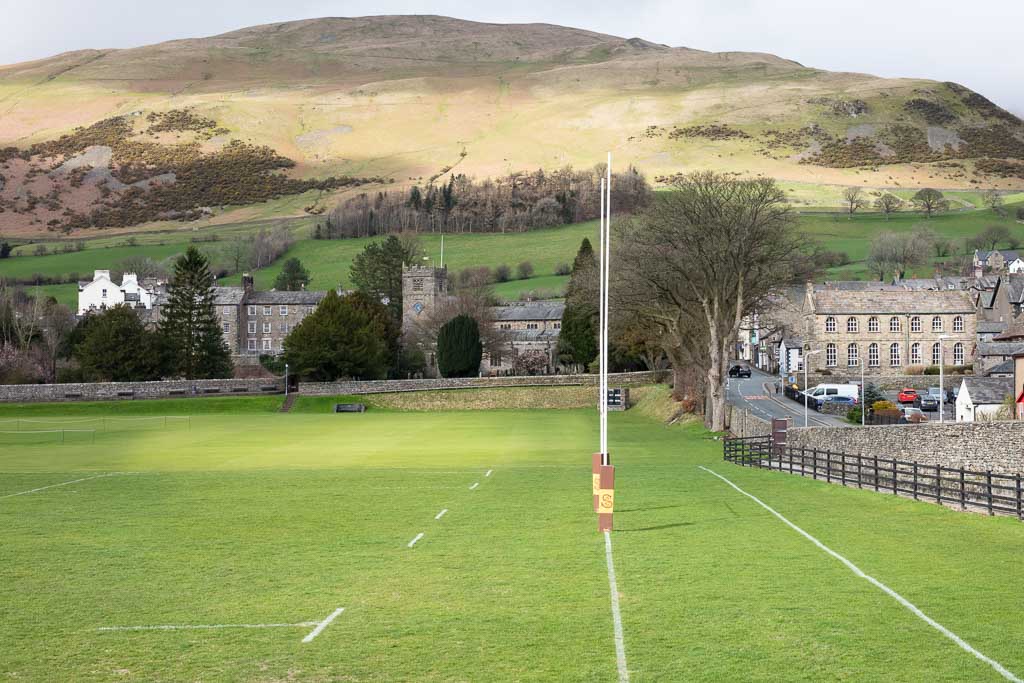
(907, 396)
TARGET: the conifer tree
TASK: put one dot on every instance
(293, 276)
(458, 347)
(189, 323)
(577, 341)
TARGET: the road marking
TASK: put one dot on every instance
(488, 473)
(323, 624)
(441, 513)
(474, 486)
(620, 645)
(186, 627)
(413, 541)
(1005, 673)
(63, 483)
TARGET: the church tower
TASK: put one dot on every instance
(423, 287)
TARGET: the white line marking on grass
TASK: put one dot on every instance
(474, 486)
(323, 624)
(620, 644)
(441, 514)
(413, 541)
(488, 473)
(63, 483)
(185, 627)
(1005, 673)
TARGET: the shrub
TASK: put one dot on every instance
(917, 370)
(853, 416)
(882, 405)
(524, 270)
(40, 250)
(931, 370)
(565, 268)
(502, 273)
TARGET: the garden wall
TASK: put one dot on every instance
(122, 391)
(980, 446)
(356, 387)
(743, 423)
(886, 382)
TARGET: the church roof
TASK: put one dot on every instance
(529, 310)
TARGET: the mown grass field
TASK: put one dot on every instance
(253, 518)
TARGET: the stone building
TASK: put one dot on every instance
(889, 330)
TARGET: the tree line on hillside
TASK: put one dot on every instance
(513, 203)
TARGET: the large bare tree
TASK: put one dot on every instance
(698, 260)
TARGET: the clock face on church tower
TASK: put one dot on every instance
(418, 307)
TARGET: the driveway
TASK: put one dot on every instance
(757, 394)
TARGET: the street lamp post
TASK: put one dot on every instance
(863, 392)
(806, 357)
(942, 385)
(286, 380)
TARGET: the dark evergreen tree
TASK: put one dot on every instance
(293, 276)
(577, 341)
(189, 323)
(345, 337)
(377, 271)
(114, 346)
(5, 249)
(458, 347)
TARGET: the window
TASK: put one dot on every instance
(506, 326)
(936, 324)
(852, 355)
(417, 284)
(309, 309)
(252, 310)
(873, 356)
(958, 353)
(267, 327)
(830, 324)
(894, 355)
(227, 327)
(894, 324)
(283, 310)
(872, 324)
(915, 353)
(284, 328)
(958, 323)
(830, 355)
(495, 360)
(915, 324)
(104, 294)
(936, 353)
(267, 345)
(252, 344)
(268, 310)
(531, 326)
(557, 325)
(851, 325)
(252, 327)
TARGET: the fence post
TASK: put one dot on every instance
(876, 471)
(938, 484)
(1019, 511)
(963, 490)
(842, 468)
(828, 466)
(988, 490)
(859, 466)
(915, 480)
(894, 485)
(814, 463)
(803, 461)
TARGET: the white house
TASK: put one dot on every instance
(102, 293)
(982, 398)
(790, 356)
(1016, 265)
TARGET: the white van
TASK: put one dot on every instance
(822, 392)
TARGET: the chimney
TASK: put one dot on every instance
(247, 283)
(97, 274)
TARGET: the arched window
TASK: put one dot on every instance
(915, 324)
(872, 324)
(894, 355)
(851, 324)
(937, 324)
(958, 323)
(894, 324)
(958, 353)
(830, 324)
(936, 353)
(873, 360)
(852, 355)
(915, 353)
(831, 355)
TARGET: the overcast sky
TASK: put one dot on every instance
(978, 44)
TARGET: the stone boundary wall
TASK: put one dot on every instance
(127, 391)
(887, 382)
(743, 423)
(978, 446)
(387, 386)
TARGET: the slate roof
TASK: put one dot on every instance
(273, 297)
(988, 390)
(533, 335)
(1003, 348)
(891, 301)
(1014, 332)
(793, 343)
(1004, 368)
(1008, 254)
(991, 326)
(1015, 288)
(227, 296)
(529, 310)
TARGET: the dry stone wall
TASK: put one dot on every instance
(743, 423)
(126, 391)
(356, 387)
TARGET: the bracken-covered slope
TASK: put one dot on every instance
(338, 101)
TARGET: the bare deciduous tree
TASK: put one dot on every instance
(854, 199)
(888, 204)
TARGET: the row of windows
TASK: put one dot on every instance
(284, 328)
(895, 355)
(282, 310)
(530, 326)
(267, 344)
(895, 324)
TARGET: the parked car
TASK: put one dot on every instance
(822, 391)
(912, 415)
(951, 395)
(739, 371)
(932, 400)
(847, 401)
(907, 396)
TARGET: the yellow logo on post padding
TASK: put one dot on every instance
(597, 483)
(605, 501)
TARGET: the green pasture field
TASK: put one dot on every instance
(251, 518)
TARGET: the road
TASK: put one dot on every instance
(757, 394)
